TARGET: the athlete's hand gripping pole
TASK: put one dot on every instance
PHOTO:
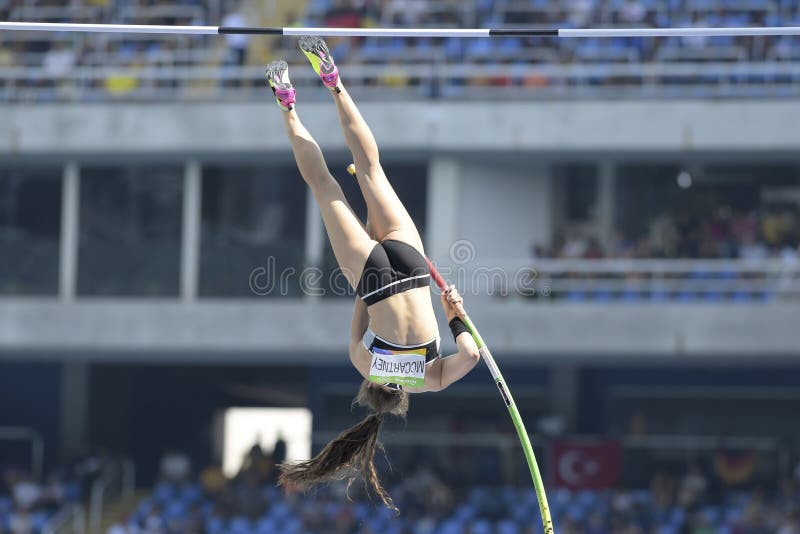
(547, 522)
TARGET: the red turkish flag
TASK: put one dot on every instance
(580, 464)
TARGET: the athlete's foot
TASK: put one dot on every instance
(321, 59)
(278, 78)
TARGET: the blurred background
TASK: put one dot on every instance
(622, 216)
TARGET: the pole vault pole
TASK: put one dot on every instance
(516, 418)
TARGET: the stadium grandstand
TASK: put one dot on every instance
(621, 215)
(91, 67)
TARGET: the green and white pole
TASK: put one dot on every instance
(544, 509)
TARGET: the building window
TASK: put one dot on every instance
(253, 231)
(130, 231)
(30, 225)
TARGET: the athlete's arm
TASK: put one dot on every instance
(442, 372)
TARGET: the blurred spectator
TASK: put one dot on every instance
(175, 467)
(580, 12)
(750, 249)
(154, 522)
(119, 528)
(693, 487)
(575, 245)
(26, 493)
(343, 14)
(395, 75)
(279, 450)
(403, 12)
(6, 56)
(256, 462)
(59, 60)
(633, 12)
(121, 82)
(790, 524)
(212, 480)
(21, 522)
(237, 43)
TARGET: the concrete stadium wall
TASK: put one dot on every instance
(310, 330)
(459, 127)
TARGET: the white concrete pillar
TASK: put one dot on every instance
(506, 208)
(315, 242)
(74, 408)
(190, 230)
(443, 212)
(606, 202)
(563, 395)
(70, 220)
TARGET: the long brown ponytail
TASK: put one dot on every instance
(352, 453)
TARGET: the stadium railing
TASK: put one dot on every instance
(118, 482)
(632, 280)
(769, 79)
(23, 434)
(71, 519)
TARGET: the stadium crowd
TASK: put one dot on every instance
(723, 233)
(27, 504)
(435, 499)
(51, 56)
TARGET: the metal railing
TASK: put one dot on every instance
(465, 81)
(70, 519)
(632, 279)
(118, 482)
(14, 433)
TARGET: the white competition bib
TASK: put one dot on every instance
(403, 367)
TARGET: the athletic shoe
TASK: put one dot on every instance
(321, 59)
(278, 78)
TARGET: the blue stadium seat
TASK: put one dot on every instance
(575, 296)
(677, 517)
(240, 525)
(175, 509)
(191, 493)
(266, 525)
(586, 499)
(479, 48)
(38, 520)
(451, 526)
(658, 295)
(713, 296)
(711, 514)
(163, 492)
(742, 297)
(481, 526)
(453, 48)
(602, 296)
(465, 512)
(215, 525)
(507, 527)
(630, 296)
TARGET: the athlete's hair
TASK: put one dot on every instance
(352, 453)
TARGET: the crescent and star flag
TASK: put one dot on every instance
(581, 464)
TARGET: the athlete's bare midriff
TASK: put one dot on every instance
(406, 318)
